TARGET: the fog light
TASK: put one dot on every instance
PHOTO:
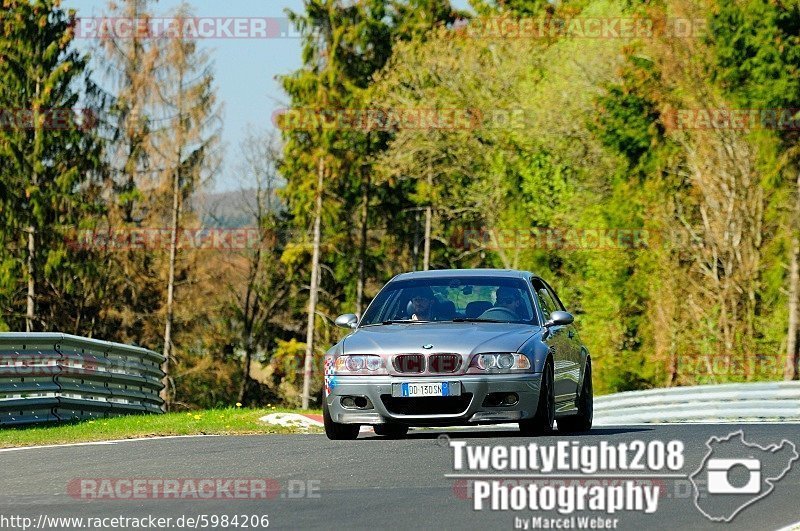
(501, 399)
(356, 402)
(510, 399)
(361, 402)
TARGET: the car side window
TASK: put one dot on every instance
(548, 305)
(545, 299)
(554, 298)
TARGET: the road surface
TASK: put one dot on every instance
(368, 483)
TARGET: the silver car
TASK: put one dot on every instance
(459, 347)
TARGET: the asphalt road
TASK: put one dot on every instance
(367, 483)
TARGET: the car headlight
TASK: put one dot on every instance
(500, 362)
(374, 363)
(505, 361)
(360, 364)
(487, 361)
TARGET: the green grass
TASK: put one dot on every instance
(231, 421)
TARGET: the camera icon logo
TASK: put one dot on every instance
(735, 474)
(720, 483)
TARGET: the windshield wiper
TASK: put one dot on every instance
(396, 321)
(478, 320)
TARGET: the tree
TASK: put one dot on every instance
(183, 149)
(324, 83)
(756, 61)
(49, 154)
(264, 289)
(131, 63)
(128, 281)
(344, 45)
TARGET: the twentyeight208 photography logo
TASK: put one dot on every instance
(735, 474)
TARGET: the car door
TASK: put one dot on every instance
(566, 359)
(575, 349)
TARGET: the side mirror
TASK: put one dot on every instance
(559, 318)
(348, 320)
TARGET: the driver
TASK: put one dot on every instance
(422, 301)
(508, 298)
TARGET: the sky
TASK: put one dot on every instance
(245, 68)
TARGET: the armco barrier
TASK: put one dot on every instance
(745, 402)
(51, 377)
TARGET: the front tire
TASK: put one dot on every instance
(583, 420)
(542, 422)
(334, 430)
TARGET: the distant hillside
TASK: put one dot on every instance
(228, 209)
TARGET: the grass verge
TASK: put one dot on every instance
(231, 421)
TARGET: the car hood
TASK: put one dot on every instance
(459, 338)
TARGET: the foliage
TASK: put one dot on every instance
(560, 132)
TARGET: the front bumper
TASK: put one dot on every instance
(469, 409)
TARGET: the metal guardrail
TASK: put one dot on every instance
(740, 402)
(52, 377)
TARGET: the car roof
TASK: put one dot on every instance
(485, 272)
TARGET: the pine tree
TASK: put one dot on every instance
(344, 45)
(131, 63)
(48, 162)
(183, 151)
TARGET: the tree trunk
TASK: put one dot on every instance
(248, 356)
(790, 371)
(312, 298)
(426, 253)
(173, 251)
(415, 248)
(362, 249)
(30, 313)
(31, 310)
(251, 309)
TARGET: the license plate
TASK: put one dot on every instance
(410, 389)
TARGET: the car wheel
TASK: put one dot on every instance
(393, 431)
(336, 431)
(583, 420)
(542, 422)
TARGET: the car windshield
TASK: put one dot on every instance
(452, 298)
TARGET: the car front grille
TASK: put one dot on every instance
(409, 363)
(428, 405)
(444, 363)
